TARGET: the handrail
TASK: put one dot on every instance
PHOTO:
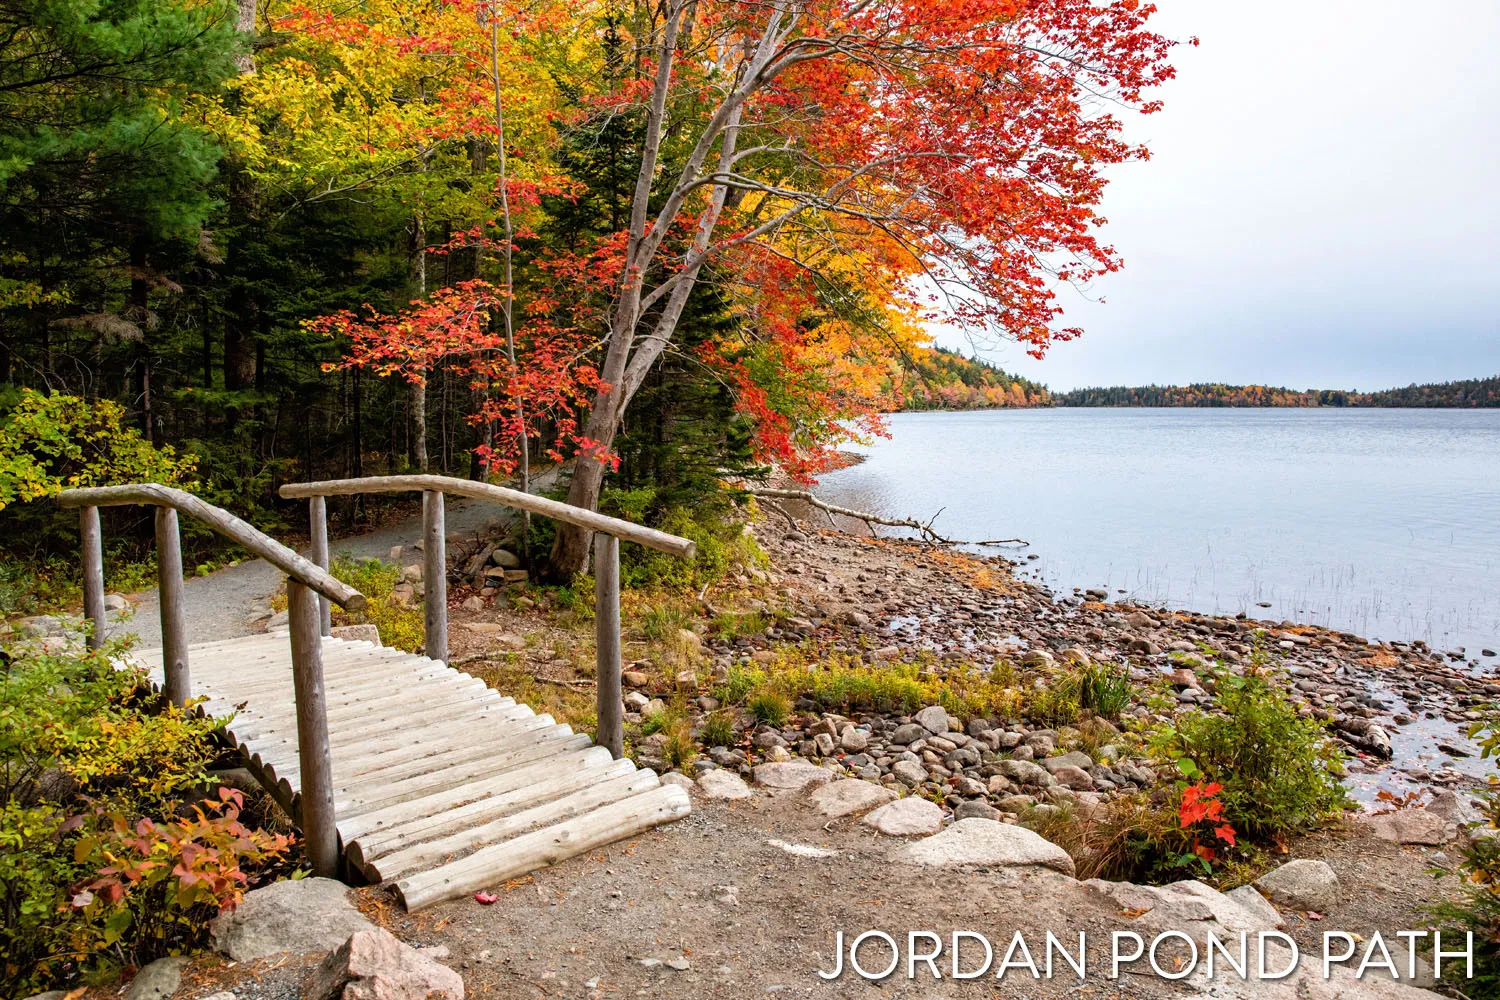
(630, 532)
(289, 562)
(306, 581)
(609, 730)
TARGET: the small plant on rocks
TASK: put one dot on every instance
(770, 708)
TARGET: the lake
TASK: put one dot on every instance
(1385, 523)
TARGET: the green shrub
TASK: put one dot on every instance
(51, 443)
(1280, 772)
(400, 627)
(1477, 906)
(100, 865)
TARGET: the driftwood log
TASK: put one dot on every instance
(924, 529)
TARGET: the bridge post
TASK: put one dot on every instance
(92, 544)
(611, 728)
(317, 509)
(174, 644)
(435, 576)
(318, 823)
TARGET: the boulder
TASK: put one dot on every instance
(984, 842)
(933, 718)
(912, 816)
(373, 965)
(158, 980)
(298, 915)
(1302, 885)
(792, 774)
(848, 796)
(1191, 907)
(356, 633)
(722, 784)
(1411, 826)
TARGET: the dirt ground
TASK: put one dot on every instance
(721, 895)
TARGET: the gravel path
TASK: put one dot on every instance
(225, 604)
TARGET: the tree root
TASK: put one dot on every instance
(924, 529)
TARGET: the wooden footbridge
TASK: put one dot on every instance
(397, 767)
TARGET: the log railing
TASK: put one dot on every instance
(608, 531)
(308, 585)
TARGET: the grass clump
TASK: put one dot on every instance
(844, 684)
(1104, 690)
(1279, 771)
(769, 707)
(663, 621)
(717, 729)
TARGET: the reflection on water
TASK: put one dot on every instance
(1381, 522)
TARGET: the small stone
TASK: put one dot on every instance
(853, 740)
(1303, 885)
(976, 809)
(474, 603)
(912, 816)
(114, 602)
(158, 980)
(373, 965)
(678, 964)
(680, 780)
(1075, 778)
(908, 733)
(909, 772)
(933, 718)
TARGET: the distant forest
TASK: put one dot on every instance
(940, 379)
(1470, 393)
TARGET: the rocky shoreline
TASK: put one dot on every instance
(1401, 710)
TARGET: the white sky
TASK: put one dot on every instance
(1322, 208)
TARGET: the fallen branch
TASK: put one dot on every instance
(923, 528)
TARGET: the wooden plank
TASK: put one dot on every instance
(380, 794)
(91, 541)
(497, 831)
(649, 537)
(358, 752)
(226, 524)
(440, 815)
(176, 683)
(362, 716)
(497, 863)
(426, 809)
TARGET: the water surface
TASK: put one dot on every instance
(1385, 523)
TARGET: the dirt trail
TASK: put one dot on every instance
(227, 603)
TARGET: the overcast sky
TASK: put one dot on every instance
(1322, 207)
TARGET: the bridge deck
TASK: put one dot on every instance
(441, 784)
